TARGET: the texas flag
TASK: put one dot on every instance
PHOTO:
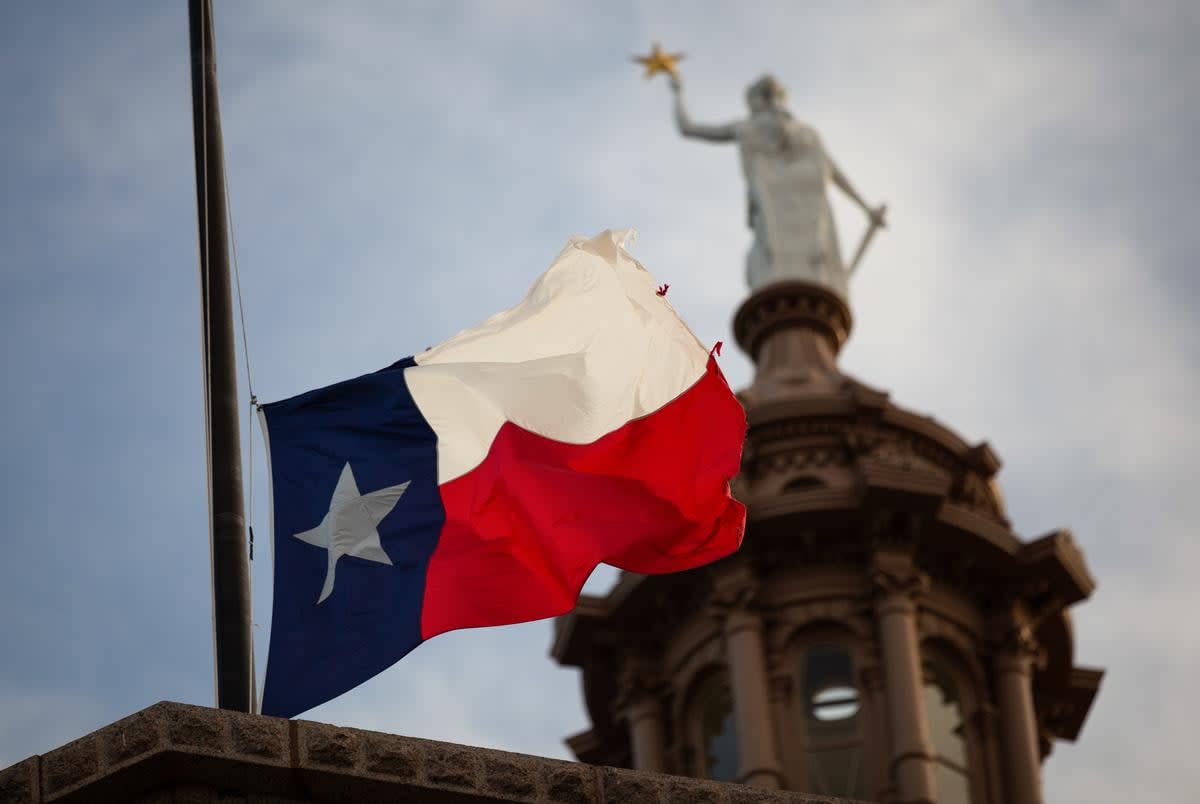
(481, 481)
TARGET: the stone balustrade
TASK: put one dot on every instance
(173, 752)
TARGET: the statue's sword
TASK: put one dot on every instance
(866, 241)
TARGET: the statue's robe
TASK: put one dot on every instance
(787, 172)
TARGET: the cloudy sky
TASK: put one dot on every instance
(401, 170)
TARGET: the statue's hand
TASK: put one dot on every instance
(878, 216)
(675, 81)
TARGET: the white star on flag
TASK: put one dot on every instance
(351, 526)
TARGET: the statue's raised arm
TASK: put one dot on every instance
(726, 132)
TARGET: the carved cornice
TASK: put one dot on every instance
(788, 439)
(1054, 716)
(1062, 713)
(794, 458)
(783, 428)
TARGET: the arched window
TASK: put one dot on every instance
(944, 709)
(833, 723)
(715, 731)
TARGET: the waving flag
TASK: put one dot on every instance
(481, 481)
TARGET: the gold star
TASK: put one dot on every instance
(658, 61)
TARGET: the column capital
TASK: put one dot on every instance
(1013, 640)
(734, 598)
(896, 581)
(639, 685)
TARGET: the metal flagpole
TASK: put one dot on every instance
(230, 564)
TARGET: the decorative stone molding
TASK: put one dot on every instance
(788, 427)
(638, 681)
(979, 494)
(896, 581)
(734, 597)
(1012, 639)
(900, 455)
(177, 752)
(784, 444)
(901, 447)
(933, 626)
(1018, 640)
(790, 460)
(790, 622)
(791, 305)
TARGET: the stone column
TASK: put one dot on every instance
(897, 583)
(751, 700)
(638, 705)
(785, 727)
(986, 772)
(742, 625)
(1018, 721)
(644, 716)
(879, 736)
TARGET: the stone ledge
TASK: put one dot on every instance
(173, 752)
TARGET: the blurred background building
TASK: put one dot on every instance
(883, 633)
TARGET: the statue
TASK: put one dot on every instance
(787, 171)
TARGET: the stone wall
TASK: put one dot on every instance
(174, 752)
